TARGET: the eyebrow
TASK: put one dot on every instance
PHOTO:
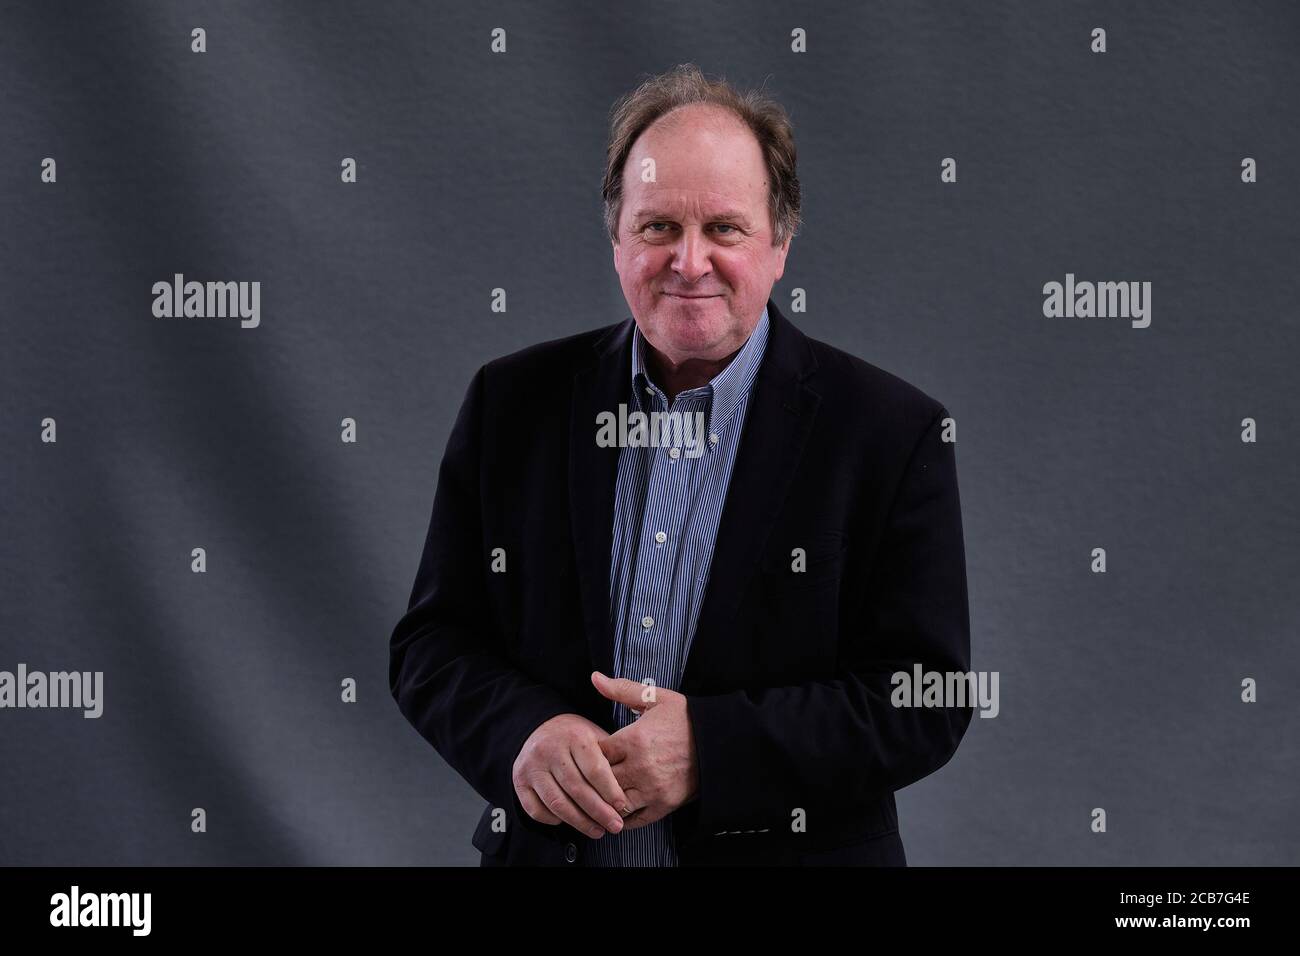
(731, 214)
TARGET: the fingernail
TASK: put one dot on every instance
(617, 827)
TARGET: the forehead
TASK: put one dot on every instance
(705, 158)
(676, 207)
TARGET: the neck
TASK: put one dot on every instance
(676, 377)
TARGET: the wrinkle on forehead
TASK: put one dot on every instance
(716, 187)
(671, 202)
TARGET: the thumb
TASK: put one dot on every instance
(629, 693)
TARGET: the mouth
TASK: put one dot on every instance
(675, 296)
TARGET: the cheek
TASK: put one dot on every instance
(756, 269)
(736, 271)
(646, 265)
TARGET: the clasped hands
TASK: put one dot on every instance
(571, 770)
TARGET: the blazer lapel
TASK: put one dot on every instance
(778, 418)
(593, 473)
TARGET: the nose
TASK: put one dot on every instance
(691, 256)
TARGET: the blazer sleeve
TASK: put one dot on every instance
(831, 746)
(447, 669)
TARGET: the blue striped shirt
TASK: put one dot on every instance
(666, 512)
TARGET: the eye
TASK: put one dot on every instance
(651, 225)
(726, 225)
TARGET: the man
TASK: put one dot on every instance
(650, 655)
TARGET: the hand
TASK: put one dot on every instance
(561, 775)
(653, 758)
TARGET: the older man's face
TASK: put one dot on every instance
(695, 255)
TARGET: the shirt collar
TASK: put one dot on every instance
(725, 391)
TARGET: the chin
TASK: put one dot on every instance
(698, 338)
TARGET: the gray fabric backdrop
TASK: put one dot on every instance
(479, 170)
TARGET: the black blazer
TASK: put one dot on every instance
(788, 676)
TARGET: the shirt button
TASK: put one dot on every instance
(713, 439)
(661, 537)
(647, 621)
(570, 853)
(674, 452)
(649, 390)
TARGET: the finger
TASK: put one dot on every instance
(595, 768)
(558, 801)
(534, 807)
(637, 801)
(570, 777)
(616, 747)
(625, 776)
(644, 817)
(629, 693)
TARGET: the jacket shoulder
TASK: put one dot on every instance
(552, 355)
(851, 382)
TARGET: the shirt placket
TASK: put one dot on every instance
(654, 616)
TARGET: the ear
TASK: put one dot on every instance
(780, 258)
(617, 250)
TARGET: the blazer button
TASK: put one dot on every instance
(570, 853)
